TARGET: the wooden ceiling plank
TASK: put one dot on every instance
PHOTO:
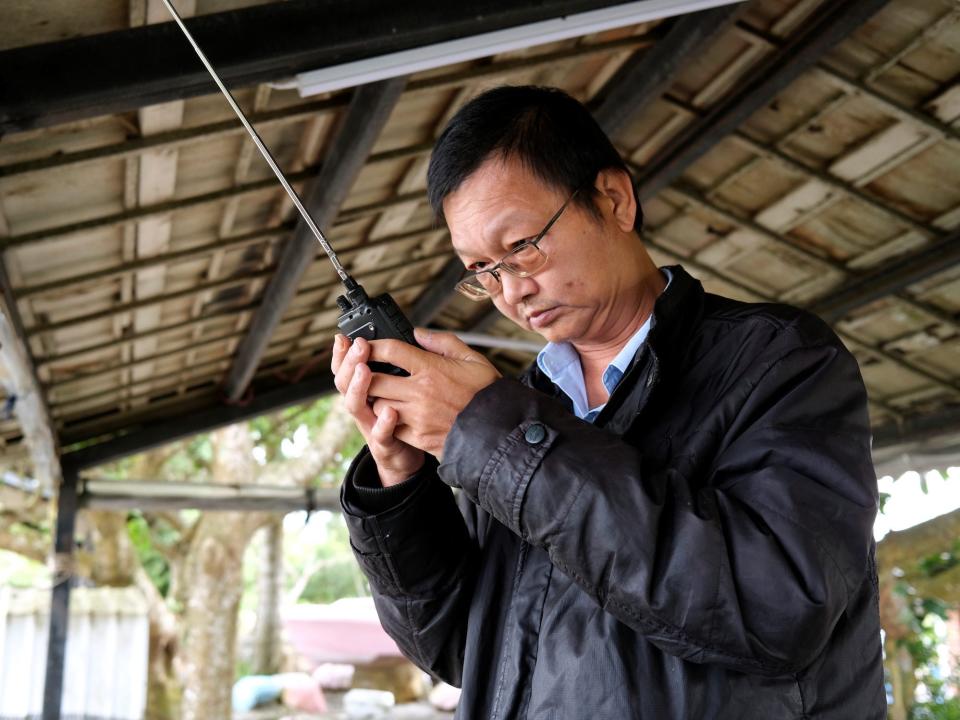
(325, 286)
(63, 286)
(313, 140)
(818, 114)
(164, 209)
(857, 87)
(154, 211)
(225, 227)
(774, 153)
(279, 349)
(841, 270)
(344, 255)
(847, 189)
(829, 26)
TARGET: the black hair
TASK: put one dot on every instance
(551, 133)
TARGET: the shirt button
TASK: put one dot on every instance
(535, 434)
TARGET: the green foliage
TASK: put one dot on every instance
(332, 582)
(925, 646)
(938, 707)
(884, 498)
(269, 431)
(941, 562)
(337, 574)
(153, 561)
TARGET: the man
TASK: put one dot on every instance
(668, 516)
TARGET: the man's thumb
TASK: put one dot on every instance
(443, 343)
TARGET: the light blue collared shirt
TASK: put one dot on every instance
(561, 364)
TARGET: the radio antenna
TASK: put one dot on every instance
(294, 197)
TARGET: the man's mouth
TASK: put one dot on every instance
(543, 317)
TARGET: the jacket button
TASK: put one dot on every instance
(535, 434)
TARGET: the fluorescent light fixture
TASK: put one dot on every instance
(428, 57)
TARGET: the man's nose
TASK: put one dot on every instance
(515, 289)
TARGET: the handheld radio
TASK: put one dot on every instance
(360, 315)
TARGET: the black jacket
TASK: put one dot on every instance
(704, 550)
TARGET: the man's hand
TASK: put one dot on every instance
(442, 381)
(396, 460)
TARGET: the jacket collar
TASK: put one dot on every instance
(677, 315)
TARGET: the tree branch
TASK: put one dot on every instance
(336, 430)
(904, 549)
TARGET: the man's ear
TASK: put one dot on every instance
(616, 191)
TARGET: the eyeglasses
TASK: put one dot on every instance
(523, 261)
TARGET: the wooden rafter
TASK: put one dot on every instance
(30, 404)
(365, 117)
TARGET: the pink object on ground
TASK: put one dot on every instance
(346, 631)
(301, 692)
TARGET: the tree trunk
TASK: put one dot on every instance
(210, 620)
(214, 584)
(266, 633)
(899, 666)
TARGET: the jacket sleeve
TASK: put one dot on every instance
(749, 565)
(414, 546)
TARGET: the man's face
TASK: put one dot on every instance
(572, 298)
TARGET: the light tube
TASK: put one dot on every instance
(428, 57)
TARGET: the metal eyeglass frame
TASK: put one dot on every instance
(480, 293)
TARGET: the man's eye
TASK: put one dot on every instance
(478, 266)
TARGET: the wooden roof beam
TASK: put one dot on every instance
(890, 278)
(918, 428)
(647, 74)
(166, 430)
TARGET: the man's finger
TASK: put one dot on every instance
(340, 347)
(355, 397)
(391, 387)
(397, 352)
(445, 344)
(354, 354)
(383, 429)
